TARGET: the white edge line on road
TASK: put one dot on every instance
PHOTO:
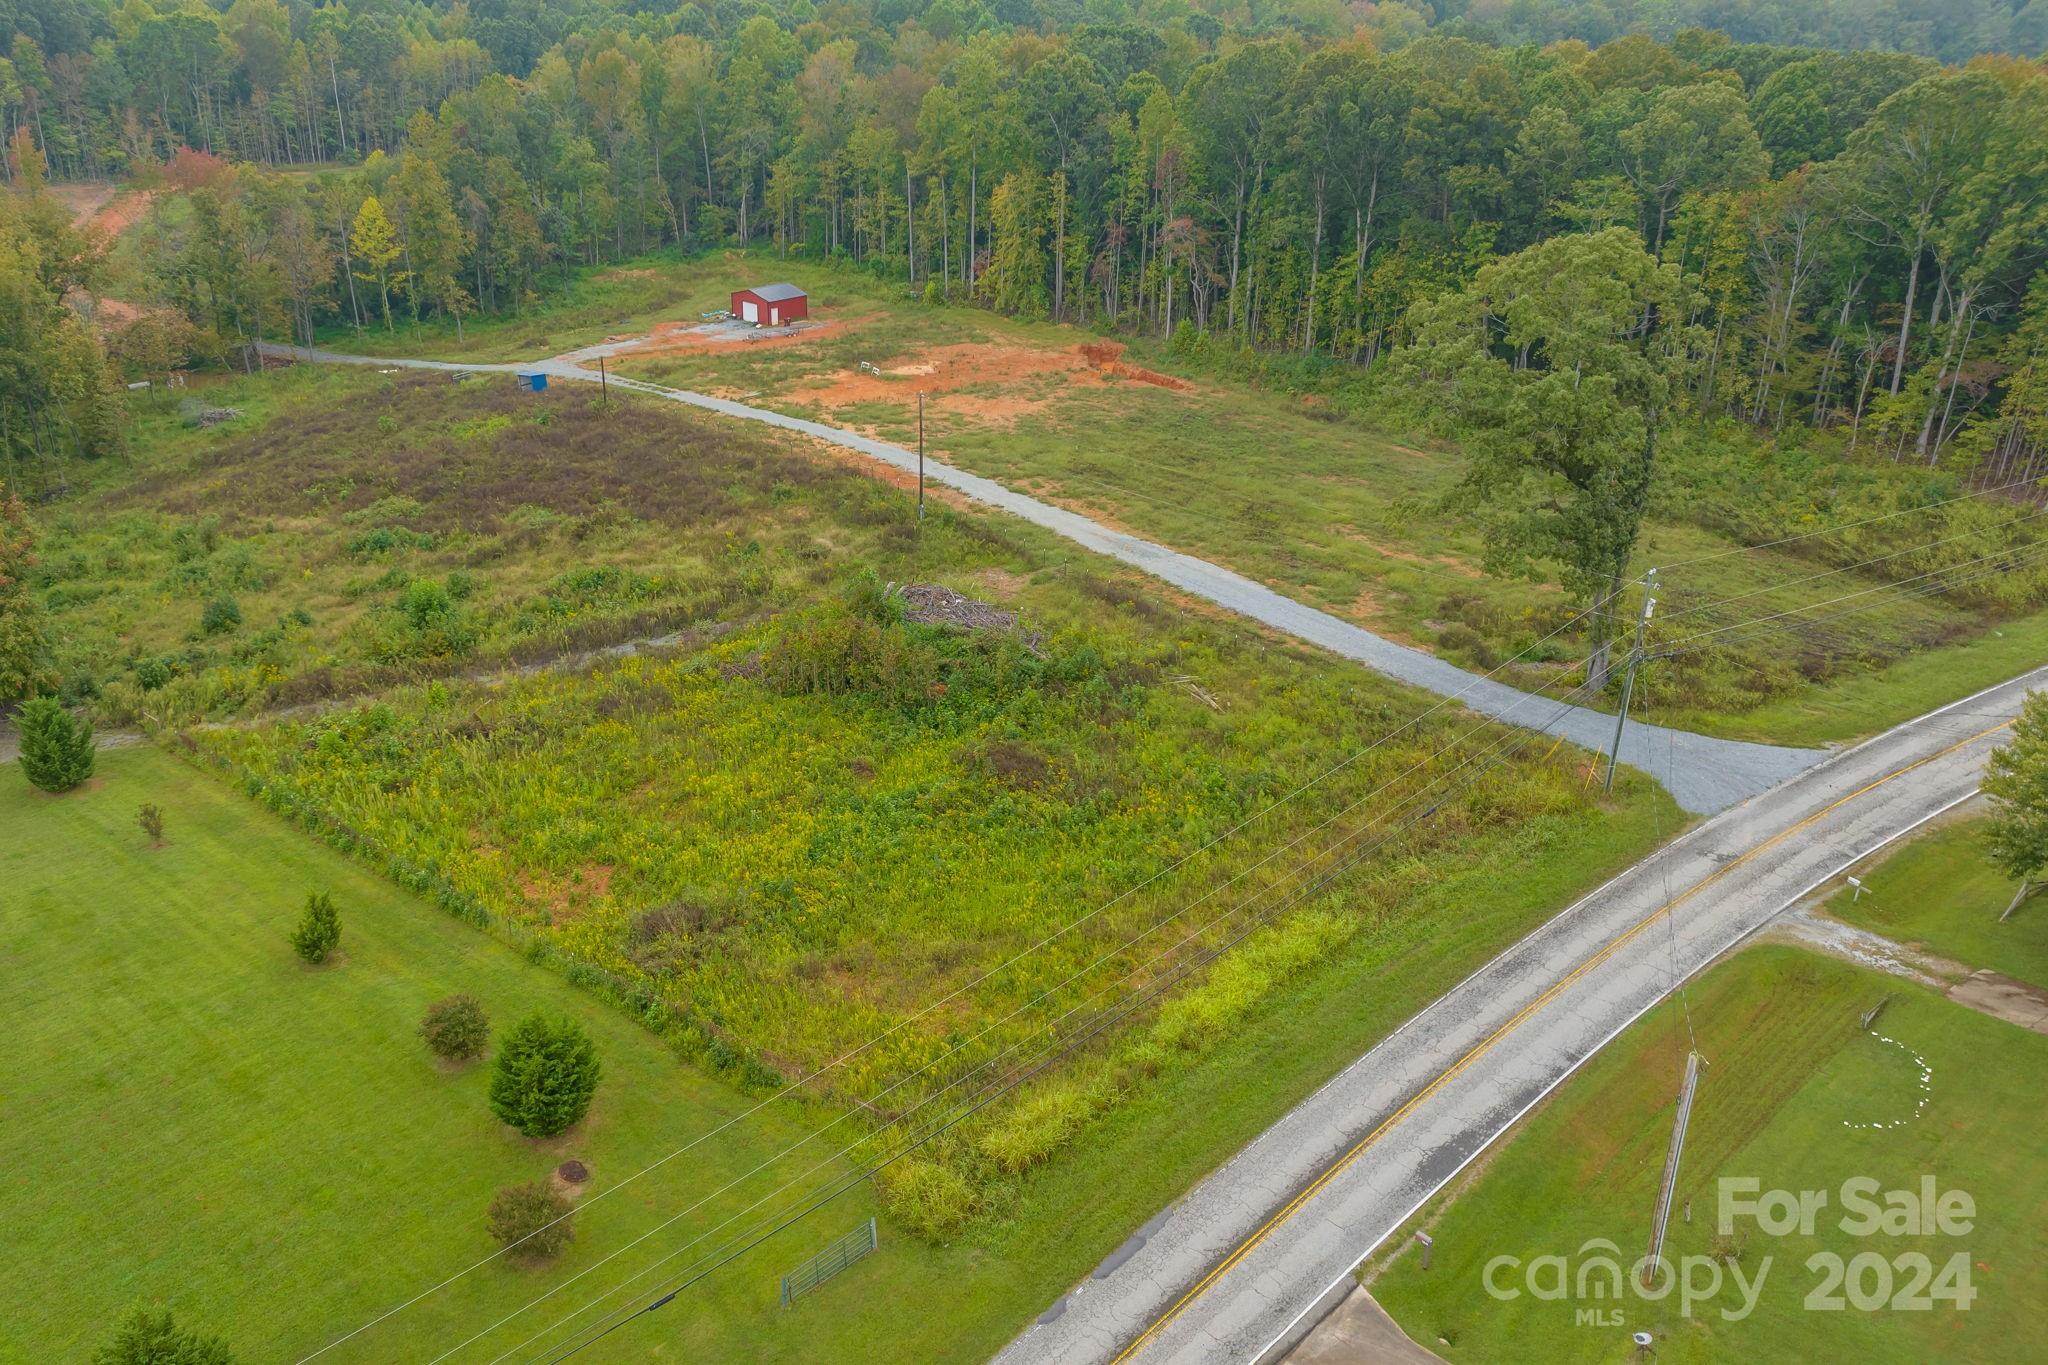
(1265, 1352)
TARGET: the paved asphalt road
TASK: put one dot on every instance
(1241, 1268)
(1709, 775)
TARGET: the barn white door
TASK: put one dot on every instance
(774, 317)
(750, 311)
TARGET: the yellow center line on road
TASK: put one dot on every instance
(1480, 1049)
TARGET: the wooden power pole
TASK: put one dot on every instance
(920, 455)
(1628, 682)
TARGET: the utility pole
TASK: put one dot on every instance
(1628, 682)
(920, 456)
(604, 385)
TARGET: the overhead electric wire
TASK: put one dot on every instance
(2007, 560)
(732, 1249)
(1850, 568)
(1848, 525)
(1924, 591)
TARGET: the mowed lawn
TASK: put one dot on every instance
(1789, 1067)
(1940, 893)
(190, 1117)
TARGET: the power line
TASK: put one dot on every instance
(1850, 568)
(1848, 525)
(1926, 590)
(2008, 560)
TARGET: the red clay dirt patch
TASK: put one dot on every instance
(941, 370)
(121, 213)
(982, 379)
(1107, 356)
(102, 211)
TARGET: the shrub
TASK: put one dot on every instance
(455, 1029)
(154, 1339)
(544, 1077)
(56, 746)
(530, 1220)
(220, 615)
(151, 817)
(195, 542)
(929, 1198)
(156, 672)
(1462, 639)
(425, 622)
(319, 928)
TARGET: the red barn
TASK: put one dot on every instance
(770, 305)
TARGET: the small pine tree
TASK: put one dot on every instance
(530, 1220)
(319, 928)
(456, 1029)
(146, 1338)
(151, 817)
(544, 1077)
(56, 746)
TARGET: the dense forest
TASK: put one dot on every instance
(1856, 234)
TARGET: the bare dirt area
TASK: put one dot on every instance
(990, 382)
(101, 210)
(2005, 998)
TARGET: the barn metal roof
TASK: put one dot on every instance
(775, 293)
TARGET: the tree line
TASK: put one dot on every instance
(1858, 232)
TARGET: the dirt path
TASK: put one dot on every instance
(103, 212)
(1985, 991)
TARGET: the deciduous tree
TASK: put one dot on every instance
(1560, 364)
(2017, 784)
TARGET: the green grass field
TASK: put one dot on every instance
(1788, 1068)
(194, 1118)
(1940, 893)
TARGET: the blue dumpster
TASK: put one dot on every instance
(533, 379)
